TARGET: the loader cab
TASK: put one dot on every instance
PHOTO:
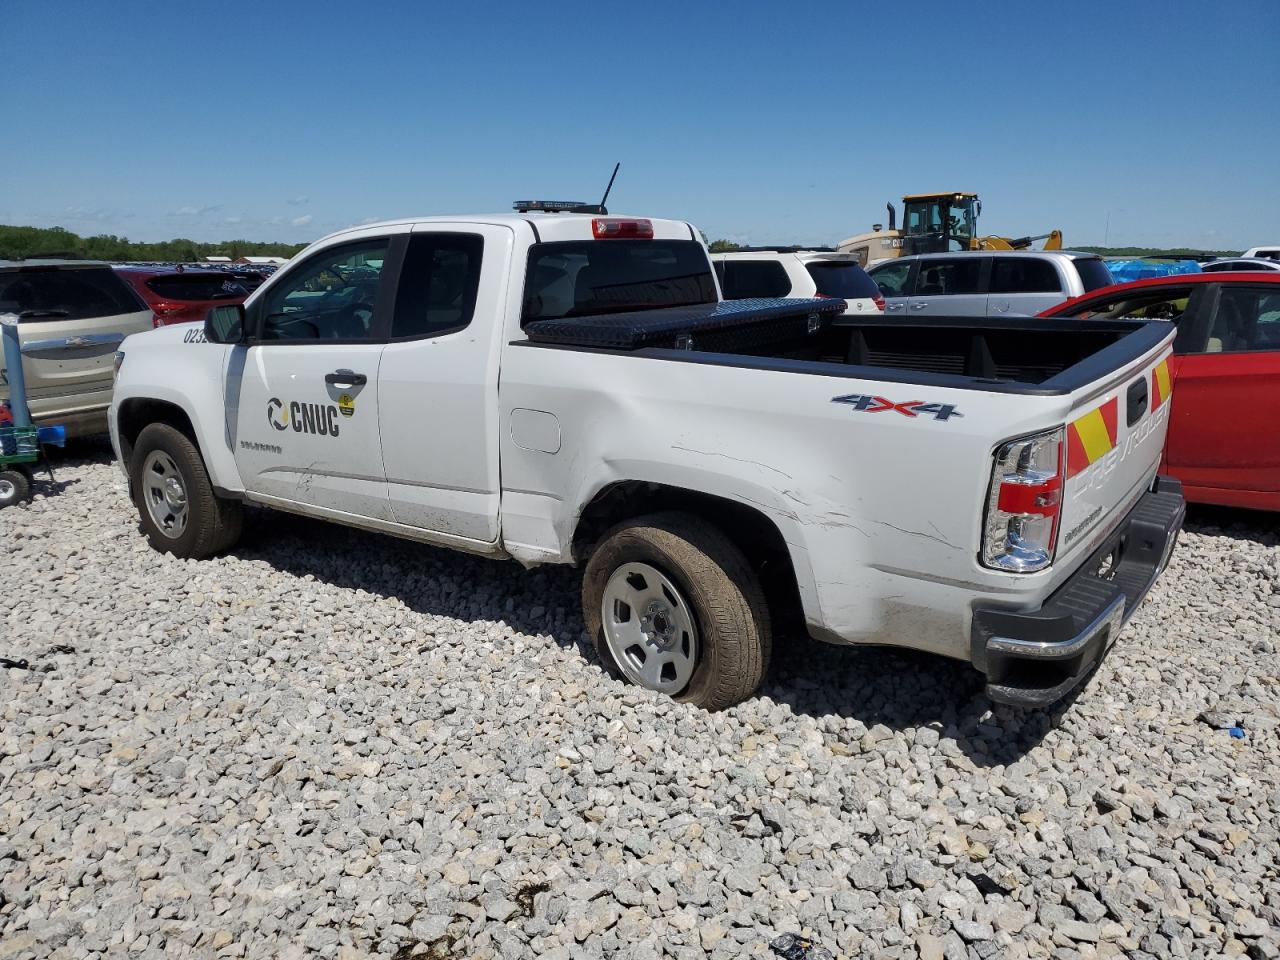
(939, 222)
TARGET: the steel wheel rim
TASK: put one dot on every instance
(649, 628)
(7, 489)
(165, 494)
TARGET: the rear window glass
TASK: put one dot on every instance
(748, 279)
(187, 286)
(583, 278)
(75, 294)
(847, 280)
(1093, 274)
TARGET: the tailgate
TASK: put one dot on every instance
(61, 357)
(1114, 438)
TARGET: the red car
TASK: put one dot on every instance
(1224, 444)
(181, 295)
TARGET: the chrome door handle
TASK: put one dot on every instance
(345, 378)
(918, 306)
(894, 306)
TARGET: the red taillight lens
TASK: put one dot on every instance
(165, 311)
(621, 228)
(1024, 504)
(878, 300)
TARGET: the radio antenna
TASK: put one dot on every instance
(609, 187)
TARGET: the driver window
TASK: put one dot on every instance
(329, 297)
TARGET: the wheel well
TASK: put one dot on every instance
(138, 413)
(751, 531)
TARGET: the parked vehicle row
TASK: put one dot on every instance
(73, 315)
(570, 388)
(1018, 283)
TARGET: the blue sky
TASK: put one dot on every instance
(761, 122)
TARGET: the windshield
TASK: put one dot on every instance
(939, 218)
(845, 279)
(590, 277)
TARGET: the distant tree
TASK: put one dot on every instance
(723, 246)
(18, 243)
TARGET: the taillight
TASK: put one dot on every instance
(117, 364)
(878, 300)
(163, 311)
(621, 228)
(1024, 504)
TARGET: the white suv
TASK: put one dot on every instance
(783, 272)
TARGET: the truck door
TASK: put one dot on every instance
(1222, 433)
(438, 384)
(950, 287)
(307, 382)
(1023, 286)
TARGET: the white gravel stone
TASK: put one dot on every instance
(333, 744)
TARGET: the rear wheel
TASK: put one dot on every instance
(15, 486)
(673, 606)
(179, 511)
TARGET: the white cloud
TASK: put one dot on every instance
(298, 200)
(190, 210)
(301, 221)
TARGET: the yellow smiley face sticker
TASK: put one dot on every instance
(346, 405)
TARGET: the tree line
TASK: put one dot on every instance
(20, 243)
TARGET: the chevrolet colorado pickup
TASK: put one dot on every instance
(570, 388)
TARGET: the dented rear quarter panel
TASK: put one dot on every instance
(882, 512)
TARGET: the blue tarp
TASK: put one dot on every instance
(1123, 271)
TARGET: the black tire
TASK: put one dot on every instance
(15, 486)
(213, 523)
(721, 588)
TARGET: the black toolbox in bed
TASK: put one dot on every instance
(727, 325)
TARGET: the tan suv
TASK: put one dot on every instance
(72, 316)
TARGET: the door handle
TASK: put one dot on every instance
(918, 306)
(894, 306)
(345, 378)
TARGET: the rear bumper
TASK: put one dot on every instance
(1033, 658)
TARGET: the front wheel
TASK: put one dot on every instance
(673, 606)
(15, 486)
(180, 513)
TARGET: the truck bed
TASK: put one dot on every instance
(1014, 355)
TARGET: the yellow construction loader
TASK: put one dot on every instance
(936, 223)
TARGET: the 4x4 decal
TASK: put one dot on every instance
(865, 403)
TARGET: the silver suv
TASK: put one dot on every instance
(1016, 283)
(72, 315)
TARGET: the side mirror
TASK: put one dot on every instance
(225, 324)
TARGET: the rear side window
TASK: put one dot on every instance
(747, 279)
(438, 284)
(187, 286)
(1247, 319)
(842, 279)
(583, 278)
(1093, 273)
(77, 294)
(1024, 275)
(949, 277)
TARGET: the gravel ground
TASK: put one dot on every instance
(342, 745)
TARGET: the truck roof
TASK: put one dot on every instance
(547, 226)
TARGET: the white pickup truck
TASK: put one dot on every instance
(569, 388)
